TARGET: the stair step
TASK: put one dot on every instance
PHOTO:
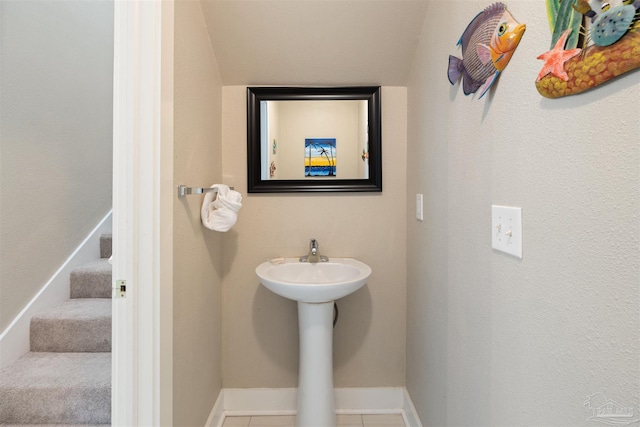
(55, 425)
(92, 280)
(105, 245)
(56, 388)
(77, 325)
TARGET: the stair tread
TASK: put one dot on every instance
(56, 370)
(78, 309)
(56, 388)
(105, 245)
(101, 265)
(91, 280)
(77, 325)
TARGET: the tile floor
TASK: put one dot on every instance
(386, 420)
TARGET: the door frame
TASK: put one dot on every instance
(143, 192)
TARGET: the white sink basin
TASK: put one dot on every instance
(313, 282)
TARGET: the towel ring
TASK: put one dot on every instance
(183, 190)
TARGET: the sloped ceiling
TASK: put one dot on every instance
(314, 42)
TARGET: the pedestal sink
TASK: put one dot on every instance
(315, 286)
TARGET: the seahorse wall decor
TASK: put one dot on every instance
(592, 42)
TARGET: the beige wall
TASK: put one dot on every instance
(493, 340)
(197, 251)
(56, 79)
(260, 329)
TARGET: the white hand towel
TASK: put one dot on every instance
(222, 213)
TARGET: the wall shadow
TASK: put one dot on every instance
(354, 323)
(275, 324)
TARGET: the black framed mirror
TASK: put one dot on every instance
(314, 139)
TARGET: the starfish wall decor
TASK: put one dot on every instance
(575, 64)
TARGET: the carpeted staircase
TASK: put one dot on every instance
(66, 377)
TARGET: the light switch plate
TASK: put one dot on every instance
(419, 206)
(506, 228)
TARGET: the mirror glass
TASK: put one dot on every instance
(313, 139)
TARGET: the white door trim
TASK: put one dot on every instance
(143, 194)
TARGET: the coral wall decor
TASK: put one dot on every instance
(592, 43)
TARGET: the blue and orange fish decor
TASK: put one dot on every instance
(487, 44)
(592, 42)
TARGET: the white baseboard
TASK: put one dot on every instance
(282, 401)
(411, 416)
(14, 341)
(260, 401)
(216, 417)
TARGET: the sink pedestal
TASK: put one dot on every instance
(316, 400)
(315, 286)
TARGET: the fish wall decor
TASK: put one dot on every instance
(488, 43)
(592, 42)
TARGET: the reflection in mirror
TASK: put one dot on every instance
(314, 139)
(321, 139)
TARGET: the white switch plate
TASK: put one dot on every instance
(506, 228)
(419, 205)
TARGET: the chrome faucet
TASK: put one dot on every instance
(313, 255)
